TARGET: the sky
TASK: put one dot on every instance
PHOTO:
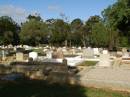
(72, 9)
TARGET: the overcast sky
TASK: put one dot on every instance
(83, 9)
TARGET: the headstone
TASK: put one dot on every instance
(100, 50)
(19, 56)
(3, 55)
(54, 54)
(119, 53)
(49, 54)
(88, 53)
(60, 54)
(15, 48)
(125, 53)
(104, 60)
(10, 46)
(117, 62)
(79, 48)
(64, 49)
(33, 55)
(45, 50)
(65, 62)
(73, 51)
(124, 50)
(105, 51)
(96, 51)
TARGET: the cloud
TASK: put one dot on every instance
(17, 13)
(53, 8)
(11, 10)
(58, 10)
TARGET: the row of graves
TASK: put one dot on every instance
(32, 67)
(54, 65)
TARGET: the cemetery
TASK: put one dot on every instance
(84, 66)
(69, 48)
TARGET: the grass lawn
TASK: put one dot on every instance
(43, 89)
(88, 63)
(38, 50)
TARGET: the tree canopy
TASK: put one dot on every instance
(9, 31)
(112, 30)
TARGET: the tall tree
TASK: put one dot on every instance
(89, 24)
(100, 35)
(76, 31)
(36, 17)
(33, 32)
(59, 30)
(118, 16)
(8, 31)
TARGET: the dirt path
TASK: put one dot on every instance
(115, 78)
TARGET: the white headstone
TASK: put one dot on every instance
(64, 49)
(96, 51)
(79, 48)
(125, 53)
(73, 51)
(45, 50)
(3, 55)
(105, 52)
(49, 54)
(15, 48)
(104, 60)
(33, 55)
(88, 53)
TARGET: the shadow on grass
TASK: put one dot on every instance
(37, 88)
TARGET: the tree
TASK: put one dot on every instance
(88, 27)
(33, 32)
(36, 17)
(59, 31)
(8, 30)
(100, 35)
(76, 31)
(118, 16)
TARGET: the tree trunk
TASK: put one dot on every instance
(84, 42)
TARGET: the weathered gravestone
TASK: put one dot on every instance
(3, 55)
(58, 54)
(19, 56)
(125, 53)
(49, 54)
(105, 59)
(96, 51)
(33, 55)
(88, 53)
(59, 73)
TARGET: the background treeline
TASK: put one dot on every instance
(112, 30)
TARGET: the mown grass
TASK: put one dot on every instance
(43, 89)
(88, 63)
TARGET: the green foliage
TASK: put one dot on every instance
(76, 32)
(88, 27)
(124, 41)
(100, 36)
(59, 31)
(8, 31)
(33, 32)
(111, 31)
(35, 17)
(88, 63)
(118, 16)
